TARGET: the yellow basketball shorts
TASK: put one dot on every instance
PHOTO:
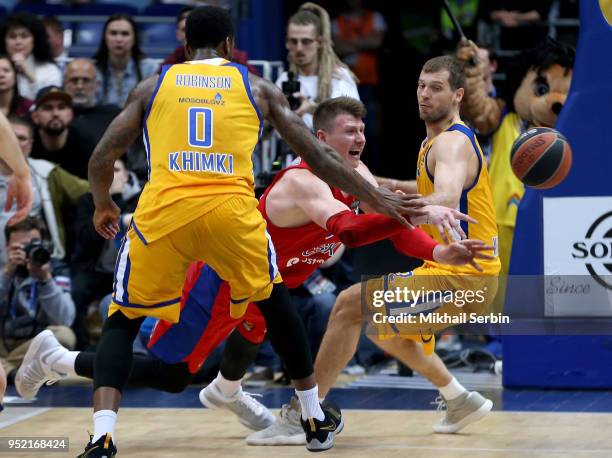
(424, 301)
(232, 239)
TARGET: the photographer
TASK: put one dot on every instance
(315, 72)
(55, 194)
(31, 298)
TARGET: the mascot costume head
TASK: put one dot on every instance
(538, 81)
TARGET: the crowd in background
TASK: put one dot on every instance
(56, 270)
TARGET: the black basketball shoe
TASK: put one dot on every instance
(320, 433)
(102, 448)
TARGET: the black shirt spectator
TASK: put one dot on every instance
(81, 83)
(521, 21)
(55, 139)
(93, 261)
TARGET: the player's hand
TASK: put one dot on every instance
(463, 252)
(446, 221)
(19, 191)
(399, 205)
(106, 219)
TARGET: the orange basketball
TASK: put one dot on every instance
(541, 158)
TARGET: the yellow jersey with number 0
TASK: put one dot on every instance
(200, 130)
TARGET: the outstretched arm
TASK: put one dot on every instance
(12, 162)
(315, 199)
(406, 186)
(115, 142)
(451, 168)
(325, 162)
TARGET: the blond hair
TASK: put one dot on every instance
(329, 63)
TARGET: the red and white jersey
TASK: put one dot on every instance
(301, 250)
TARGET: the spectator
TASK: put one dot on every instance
(121, 64)
(11, 103)
(94, 257)
(311, 57)
(32, 296)
(55, 191)
(358, 35)
(55, 37)
(55, 139)
(519, 20)
(25, 41)
(81, 83)
(466, 13)
(178, 56)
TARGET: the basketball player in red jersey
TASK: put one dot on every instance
(307, 221)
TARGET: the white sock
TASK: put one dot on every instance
(104, 422)
(65, 363)
(309, 401)
(453, 390)
(228, 387)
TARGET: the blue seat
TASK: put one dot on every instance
(137, 4)
(8, 5)
(106, 9)
(163, 9)
(41, 9)
(88, 33)
(158, 35)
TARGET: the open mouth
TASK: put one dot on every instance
(355, 152)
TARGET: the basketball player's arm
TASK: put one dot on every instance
(407, 186)
(13, 162)
(119, 135)
(442, 218)
(315, 198)
(325, 162)
(450, 153)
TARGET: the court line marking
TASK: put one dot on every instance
(479, 449)
(21, 417)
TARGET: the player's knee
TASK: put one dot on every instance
(346, 309)
(178, 378)
(177, 386)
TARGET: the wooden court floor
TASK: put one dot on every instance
(162, 432)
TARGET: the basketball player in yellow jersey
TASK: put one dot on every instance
(451, 172)
(202, 120)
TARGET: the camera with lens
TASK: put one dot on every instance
(290, 87)
(38, 252)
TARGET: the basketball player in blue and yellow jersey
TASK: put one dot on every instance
(451, 171)
(202, 120)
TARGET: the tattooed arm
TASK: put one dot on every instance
(324, 161)
(115, 142)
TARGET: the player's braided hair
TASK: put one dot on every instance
(312, 14)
